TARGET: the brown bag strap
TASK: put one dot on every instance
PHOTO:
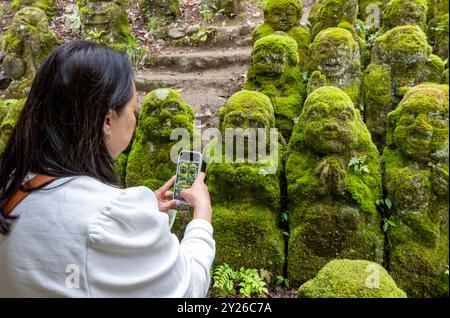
(36, 182)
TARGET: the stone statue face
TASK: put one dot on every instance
(421, 128)
(283, 18)
(334, 53)
(269, 63)
(164, 110)
(329, 125)
(404, 12)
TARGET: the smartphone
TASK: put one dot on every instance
(189, 167)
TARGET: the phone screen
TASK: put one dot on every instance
(188, 168)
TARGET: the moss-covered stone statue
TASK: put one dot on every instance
(25, 45)
(149, 161)
(285, 16)
(416, 179)
(438, 29)
(401, 57)
(330, 13)
(404, 12)
(160, 9)
(228, 8)
(333, 183)
(334, 56)
(246, 195)
(351, 279)
(48, 6)
(10, 110)
(106, 22)
(274, 72)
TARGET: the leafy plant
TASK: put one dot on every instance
(285, 216)
(224, 277)
(384, 203)
(282, 281)
(251, 283)
(387, 224)
(247, 281)
(210, 13)
(94, 35)
(358, 166)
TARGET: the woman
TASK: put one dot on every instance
(78, 234)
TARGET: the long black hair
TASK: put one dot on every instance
(60, 130)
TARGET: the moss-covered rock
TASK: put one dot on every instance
(331, 201)
(10, 110)
(106, 22)
(401, 57)
(25, 44)
(285, 16)
(351, 279)
(246, 197)
(416, 179)
(160, 9)
(404, 12)
(332, 12)
(445, 77)
(48, 6)
(335, 54)
(275, 73)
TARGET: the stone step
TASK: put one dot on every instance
(222, 36)
(152, 79)
(185, 62)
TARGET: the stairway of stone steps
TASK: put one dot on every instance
(205, 76)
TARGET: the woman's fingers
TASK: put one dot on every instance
(166, 205)
(200, 178)
(168, 195)
(166, 186)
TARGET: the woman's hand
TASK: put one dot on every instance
(198, 197)
(163, 193)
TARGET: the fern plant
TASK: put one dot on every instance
(358, 166)
(247, 281)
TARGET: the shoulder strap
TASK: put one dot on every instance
(36, 182)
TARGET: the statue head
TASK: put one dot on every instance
(162, 111)
(418, 127)
(274, 54)
(329, 123)
(334, 52)
(282, 15)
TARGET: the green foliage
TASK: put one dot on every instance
(282, 281)
(387, 224)
(245, 283)
(358, 166)
(211, 13)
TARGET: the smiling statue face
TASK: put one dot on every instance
(334, 51)
(283, 19)
(329, 123)
(269, 63)
(164, 110)
(422, 124)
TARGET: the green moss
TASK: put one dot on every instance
(149, 161)
(445, 77)
(416, 179)
(275, 73)
(400, 58)
(332, 209)
(11, 110)
(285, 16)
(351, 279)
(106, 23)
(331, 13)
(405, 12)
(336, 55)
(315, 81)
(438, 29)
(48, 6)
(25, 44)
(247, 235)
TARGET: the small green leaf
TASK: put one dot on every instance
(388, 203)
